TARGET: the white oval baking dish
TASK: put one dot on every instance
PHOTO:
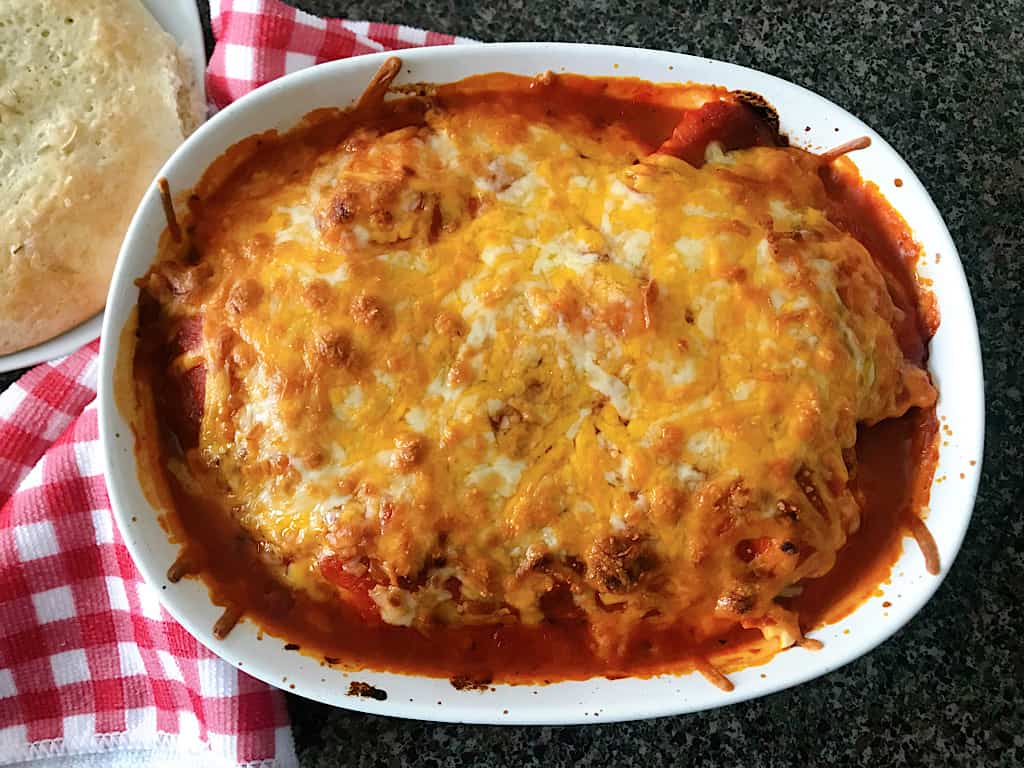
(955, 364)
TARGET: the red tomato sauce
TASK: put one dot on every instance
(896, 458)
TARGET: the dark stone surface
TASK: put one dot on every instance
(942, 81)
(6, 379)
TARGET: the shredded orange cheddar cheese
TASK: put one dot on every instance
(482, 358)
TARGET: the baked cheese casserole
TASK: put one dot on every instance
(529, 378)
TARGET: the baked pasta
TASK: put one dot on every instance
(565, 361)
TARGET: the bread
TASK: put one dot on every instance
(94, 96)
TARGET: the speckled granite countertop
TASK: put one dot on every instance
(944, 83)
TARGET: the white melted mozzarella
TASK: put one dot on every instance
(505, 469)
(675, 373)
(301, 226)
(396, 605)
(417, 418)
(566, 253)
(707, 444)
(692, 252)
(523, 190)
(601, 381)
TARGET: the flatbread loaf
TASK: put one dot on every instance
(94, 96)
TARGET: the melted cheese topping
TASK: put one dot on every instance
(502, 352)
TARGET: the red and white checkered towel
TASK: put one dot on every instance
(89, 661)
(260, 40)
(92, 670)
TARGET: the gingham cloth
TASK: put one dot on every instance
(92, 670)
(260, 40)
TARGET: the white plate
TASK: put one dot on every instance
(181, 19)
(955, 363)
